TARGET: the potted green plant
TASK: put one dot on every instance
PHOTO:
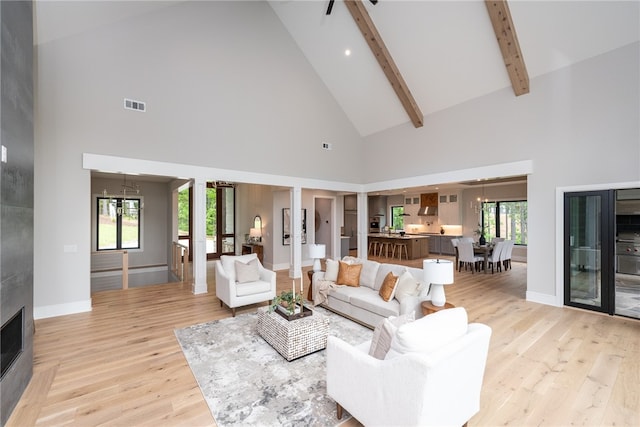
(287, 300)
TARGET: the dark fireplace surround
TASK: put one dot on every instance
(11, 341)
(16, 203)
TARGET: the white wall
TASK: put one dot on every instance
(226, 87)
(579, 125)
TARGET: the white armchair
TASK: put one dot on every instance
(244, 284)
(438, 387)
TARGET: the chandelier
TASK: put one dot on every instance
(126, 189)
(129, 188)
(480, 206)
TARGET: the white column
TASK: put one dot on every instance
(295, 266)
(199, 237)
(363, 225)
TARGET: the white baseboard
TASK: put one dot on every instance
(282, 266)
(543, 299)
(61, 309)
(199, 288)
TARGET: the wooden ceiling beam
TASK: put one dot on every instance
(379, 50)
(509, 45)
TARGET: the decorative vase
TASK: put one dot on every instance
(482, 240)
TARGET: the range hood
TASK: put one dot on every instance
(428, 204)
(428, 211)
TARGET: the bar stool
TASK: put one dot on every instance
(386, 247)
(400, 247)
(373, 246)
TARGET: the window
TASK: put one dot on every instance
(505, 219)
(118, 223)
(397, 217)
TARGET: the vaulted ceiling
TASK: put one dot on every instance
(446, 51)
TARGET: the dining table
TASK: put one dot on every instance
(485, 251)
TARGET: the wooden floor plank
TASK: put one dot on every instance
(120, 364)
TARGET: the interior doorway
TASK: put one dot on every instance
(323, 217)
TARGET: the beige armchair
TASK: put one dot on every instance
(242, 280)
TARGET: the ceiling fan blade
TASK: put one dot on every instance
(330, 7)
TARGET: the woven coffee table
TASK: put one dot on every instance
(293, 338)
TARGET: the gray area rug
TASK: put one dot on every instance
(246, 382)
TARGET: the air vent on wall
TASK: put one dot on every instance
(130, 104)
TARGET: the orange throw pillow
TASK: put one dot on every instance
(388, 286)
(349, 274)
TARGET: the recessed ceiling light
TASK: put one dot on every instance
(347, 52)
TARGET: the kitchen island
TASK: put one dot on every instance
(417, 245)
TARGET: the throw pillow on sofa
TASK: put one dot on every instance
(331, 272)
(407, 286)
(389, 286)
(384, 332)
(349, 274)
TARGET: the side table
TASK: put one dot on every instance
(428, 307)
(310, 290)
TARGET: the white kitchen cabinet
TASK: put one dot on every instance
(449, 212)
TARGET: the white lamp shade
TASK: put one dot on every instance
(255, 232)
(316, 251)
(438, 271)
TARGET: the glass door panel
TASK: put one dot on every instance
(211, 225)
(587, 251)
(184, 219)
(227, 219)
(585, 243)
(220, 226)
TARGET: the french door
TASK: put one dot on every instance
(589, 250)
(220, 226)
(220, 219)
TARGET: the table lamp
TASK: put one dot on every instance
(255, 234)
(316, 251)
(438, 272)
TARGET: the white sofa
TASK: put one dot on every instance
(435, 379)
(363, 303)
(235, 294)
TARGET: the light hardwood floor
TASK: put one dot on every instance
(120, 364)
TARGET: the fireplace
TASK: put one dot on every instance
(11, 340)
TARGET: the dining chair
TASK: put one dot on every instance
(497, 239)
(495, 259)
(467, 257)
(454, 243)
(505, 257)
